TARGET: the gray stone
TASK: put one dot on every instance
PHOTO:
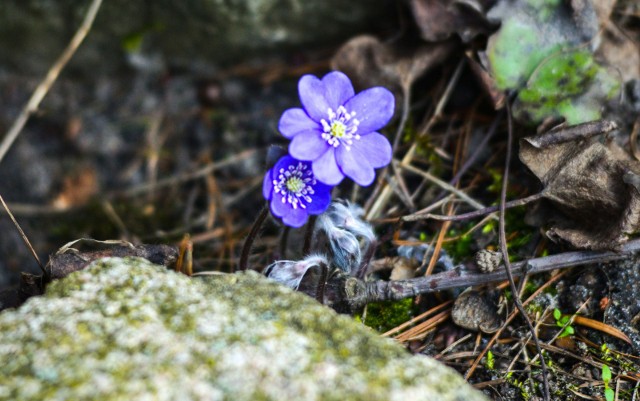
(34, 32)
(124, 329)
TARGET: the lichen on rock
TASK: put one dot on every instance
(127, 329)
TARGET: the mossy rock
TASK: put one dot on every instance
(125, 329)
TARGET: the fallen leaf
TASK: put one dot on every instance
(439, 19)
(591, 195)
(369, 62)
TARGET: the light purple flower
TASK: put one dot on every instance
(336, 129)
(293, 191)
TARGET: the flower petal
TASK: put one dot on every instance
(376, 147)
(278, 207)
(312, 95)
(374, 108)
(326, 170)
(338, 89)
(321, 199)
(296, 218)
(267, 185)
(295, 121)
(308, 146)
(355, 165)
(283, 163)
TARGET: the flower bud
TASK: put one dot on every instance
(344, 248)
(348, 216)
(291, 272)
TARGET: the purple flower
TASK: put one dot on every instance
(293, 191)
(335, 129)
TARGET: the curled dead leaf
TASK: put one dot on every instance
(370, 62)
(589, 198)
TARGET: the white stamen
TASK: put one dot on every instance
(340, 128)
(295, 185)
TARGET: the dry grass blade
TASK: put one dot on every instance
(24, 238)
(382, 199)
(420, 330)
(442, 184)
(605, 328)
(52, 75)
(417, 319)
(439, 242)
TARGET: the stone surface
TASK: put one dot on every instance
(219, 31)
(127, 329)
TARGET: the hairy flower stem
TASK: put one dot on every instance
(248, 242)
(284, 240)
(503, 248)
(308, 235)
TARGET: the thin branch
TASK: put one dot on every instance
(505, 253)
(512, 316)
(571, 133)
(52, 75)
(462, 277)
(473, 215)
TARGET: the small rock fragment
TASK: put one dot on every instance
(474, 311)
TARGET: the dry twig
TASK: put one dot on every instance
(44, 86)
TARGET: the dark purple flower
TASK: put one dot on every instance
(293, 191)
(335, 129)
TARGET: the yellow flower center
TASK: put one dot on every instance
(338, 129)
(295, 184)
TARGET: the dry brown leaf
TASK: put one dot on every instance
(439, 19)
(369, 62)
(591, 195)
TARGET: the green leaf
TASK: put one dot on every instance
(540, 51)
(557, 314)
(490, 360)
(569, 330)
(606, 374)
(515, 54)
(609, 394)
(568, 84)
